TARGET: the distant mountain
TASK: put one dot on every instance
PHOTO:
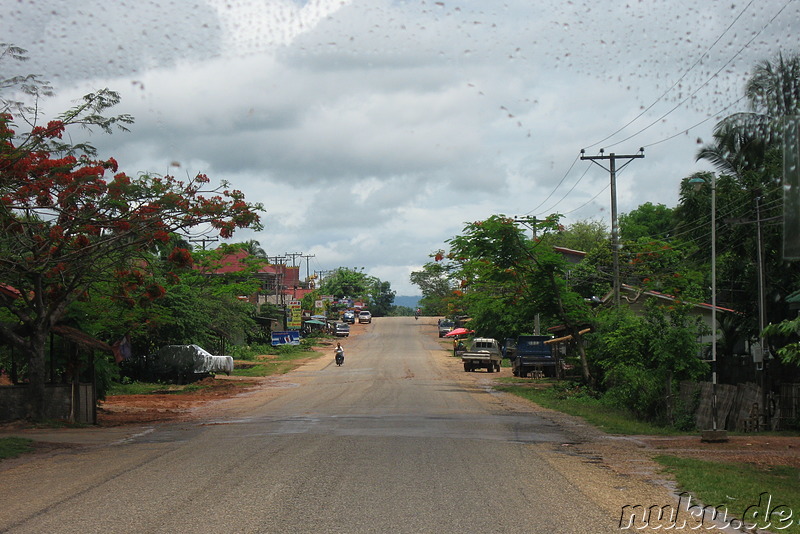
(411, 302)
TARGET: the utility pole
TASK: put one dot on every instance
(277, 260)
(308, 269)
(293, 255)
(762, 351)
(530, 222)
(323, 274)
(204, 240)
(762, 316)
(612, 169)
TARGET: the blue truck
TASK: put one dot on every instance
(530, 354)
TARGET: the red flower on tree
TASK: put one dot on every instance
(72, 229)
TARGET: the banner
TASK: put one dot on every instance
(286, 338)
(295, 321)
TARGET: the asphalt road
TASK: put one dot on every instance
(390, 442)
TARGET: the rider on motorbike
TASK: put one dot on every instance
(339, 352)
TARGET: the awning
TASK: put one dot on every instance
(314, 321)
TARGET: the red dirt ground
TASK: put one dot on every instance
(120, 410)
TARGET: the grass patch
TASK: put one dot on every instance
(153, 388)
(255, 352)
(134, 388)
(274, 365)
(607, 418)
(736, 487)
(279, 361)
(13, 447)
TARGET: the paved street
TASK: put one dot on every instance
(393, 441)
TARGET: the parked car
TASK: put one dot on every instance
(364, 317)
(531, 353)
(445, 326)
(484, 353)
(349, 316)
(341, 330)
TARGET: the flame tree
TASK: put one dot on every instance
(71, 224)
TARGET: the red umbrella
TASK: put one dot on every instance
(459, 332)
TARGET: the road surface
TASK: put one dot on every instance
(393, 441)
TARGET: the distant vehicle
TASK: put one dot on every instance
(445, 327)
(484, 352)
(341, 330)
(364, 317)
(349, 316)
(532, 354)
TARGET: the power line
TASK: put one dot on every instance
(678, 81)
(557, 186)
(686, 131)
(568, 192)
(691, 95)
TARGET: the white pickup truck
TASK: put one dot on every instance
(484, 352)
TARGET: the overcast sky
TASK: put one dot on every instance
(373, 130)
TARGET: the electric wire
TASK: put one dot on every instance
(682, 132)
(687, 130)
(678, 81)
(557, 186)
(691, 95)
(568, 192)
(588, 201)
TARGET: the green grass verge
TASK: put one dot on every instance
(740, 488)
(280, 364)
(13, 447)
(151, 388)
(607, 418)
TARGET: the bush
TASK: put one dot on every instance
(636, 389)
(574, 390)
(250, 352)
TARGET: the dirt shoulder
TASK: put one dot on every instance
(634, 454)
(122, 416)
(231, 395)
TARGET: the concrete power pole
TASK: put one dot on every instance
(612, 169)
(293, 255)
(308, 268)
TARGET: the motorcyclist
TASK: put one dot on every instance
(339, 352)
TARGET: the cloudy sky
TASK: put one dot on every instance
(372, 130)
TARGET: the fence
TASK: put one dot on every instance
(63, 402)
(739, 407)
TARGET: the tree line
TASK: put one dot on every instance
(502, 279)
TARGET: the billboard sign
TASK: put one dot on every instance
(292, 337)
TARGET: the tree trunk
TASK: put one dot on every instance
(587, 377)
(670, 407)
(34, 352)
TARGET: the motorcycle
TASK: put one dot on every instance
(339, 357)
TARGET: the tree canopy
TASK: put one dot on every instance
(74, 224)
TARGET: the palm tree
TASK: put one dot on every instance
(742, 141)
(253, 248)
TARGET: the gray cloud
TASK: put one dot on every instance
(372, 133)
